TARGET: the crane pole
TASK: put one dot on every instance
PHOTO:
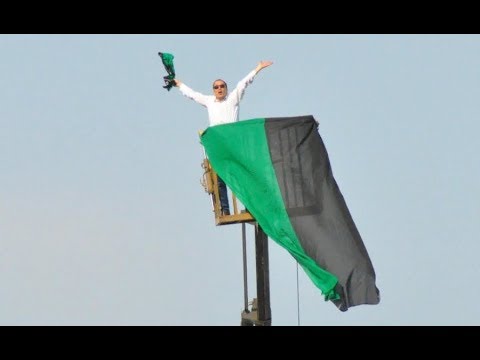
(260, 313)
(263, 279)
(245, 277)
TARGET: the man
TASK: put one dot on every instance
(223, 108)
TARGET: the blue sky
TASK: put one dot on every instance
(103, 220)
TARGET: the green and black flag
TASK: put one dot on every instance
(279, 169)
(167, 60)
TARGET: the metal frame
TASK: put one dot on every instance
(210, 184)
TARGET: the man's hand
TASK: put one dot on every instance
(263, 64)
(177, 83)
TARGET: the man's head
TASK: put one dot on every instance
(220, 89)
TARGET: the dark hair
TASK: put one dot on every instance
(221, 81)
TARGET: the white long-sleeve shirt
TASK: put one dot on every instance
(223, 111)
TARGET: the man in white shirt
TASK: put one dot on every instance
(223, 108)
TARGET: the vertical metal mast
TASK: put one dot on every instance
(260, 314)
(245, 278)
(263, 279)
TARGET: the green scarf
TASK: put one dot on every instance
(167, 60)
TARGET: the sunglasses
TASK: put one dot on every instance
(219, 86)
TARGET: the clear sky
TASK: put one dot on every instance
(103, 220)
